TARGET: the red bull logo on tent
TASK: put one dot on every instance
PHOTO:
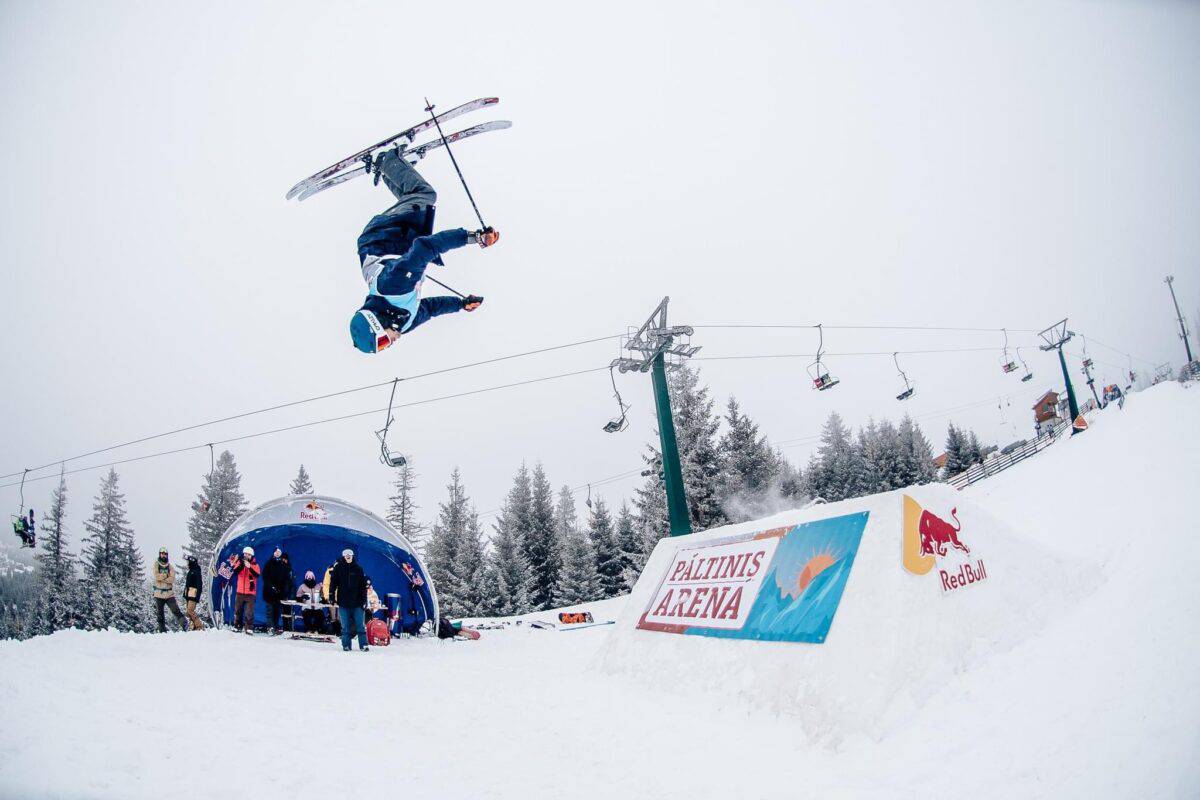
(312, 512)
(930, 541)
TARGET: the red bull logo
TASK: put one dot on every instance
(936, 533)
(929, 541)
(313, 512)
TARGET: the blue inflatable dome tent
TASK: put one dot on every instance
(314, 530)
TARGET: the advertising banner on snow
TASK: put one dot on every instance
(930, 541)
(779, 585)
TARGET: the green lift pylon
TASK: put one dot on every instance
(652, 343)
(1055, 337)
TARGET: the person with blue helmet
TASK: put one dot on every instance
(394, 250)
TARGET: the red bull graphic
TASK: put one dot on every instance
(312, 512)
(781, 585)
(413, 576)
(936, 533)
(929, 540)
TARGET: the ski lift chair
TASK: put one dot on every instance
(1028, 376)
(908, 387)
(1006, 363)
(25, 529)
(621, 421)
(617, 425)
(821, 379)
(386, 456)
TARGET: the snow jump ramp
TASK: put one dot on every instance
(847, 615)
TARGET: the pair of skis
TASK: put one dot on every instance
(363, 162)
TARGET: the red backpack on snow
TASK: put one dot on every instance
(378, 634)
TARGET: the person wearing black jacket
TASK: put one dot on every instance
(277, 578)
(348, 589)
(191, 593)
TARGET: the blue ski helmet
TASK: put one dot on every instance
(366, 331)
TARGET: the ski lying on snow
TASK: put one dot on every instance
(458, 111)
(412, 155)
(550, 626)
(588, 625)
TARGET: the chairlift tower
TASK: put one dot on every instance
(1055, 337)
(1183, 331)
(650, 345)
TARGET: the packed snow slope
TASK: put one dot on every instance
(1069, 672)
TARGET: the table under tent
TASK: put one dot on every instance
(314, 530)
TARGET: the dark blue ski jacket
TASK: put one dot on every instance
(396, 279)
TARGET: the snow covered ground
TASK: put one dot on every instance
(1099, 700)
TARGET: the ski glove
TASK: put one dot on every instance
(486, 237)
(472, 302)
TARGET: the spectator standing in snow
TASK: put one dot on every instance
(373, 604)
(245, 576)
(276, 577)
(290, 583)
(348, 584)
(309, 593)
(327, 595)
(191, 593)
(164, 590)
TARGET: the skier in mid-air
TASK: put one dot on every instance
(394, 250)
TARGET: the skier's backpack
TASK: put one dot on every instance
(378, 634)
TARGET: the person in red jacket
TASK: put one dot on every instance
(245, 576)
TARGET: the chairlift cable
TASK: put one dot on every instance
(849, 354)
(861, 327)
(784, 443)
(497, 359)
(317, 398)
(327, 420)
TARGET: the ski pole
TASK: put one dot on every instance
(454, 161)
(447, 288)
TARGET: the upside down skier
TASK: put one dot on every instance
(394, 249)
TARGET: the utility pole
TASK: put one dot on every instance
(652, 343)
(1087, 371)
(1055, 337)
(1091, 382)
(1183, 332)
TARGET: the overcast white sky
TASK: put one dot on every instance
(949, 164)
